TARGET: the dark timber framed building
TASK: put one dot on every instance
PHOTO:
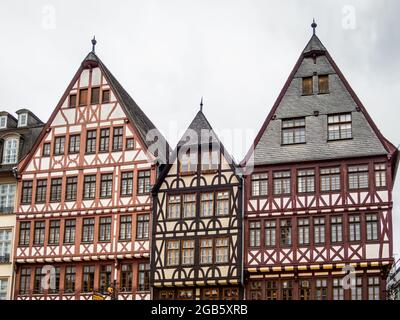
(320, 194)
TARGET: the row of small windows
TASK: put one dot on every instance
(189, 161)
(89, 187)
(272, 231)
(308, 84)
(68, 228)
(314, 289)
(83, 98)
(211, 204)
(213, 293)
(294, 130)
(88, 279)
(329, 180)
(92, 145)
(182, 252)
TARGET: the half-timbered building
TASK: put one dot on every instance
(318, 202)
(84, 202)
(197, 221)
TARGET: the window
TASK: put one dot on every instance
(303, 231)
(189, 205)
(338, 291)
(59, 145)
(206, 251)
(74, 143)
(259, 184)
(56, 288)
(26, 197)
(293, 131)
(211, 294)
(222, 207)
(83, 97)
(56, 189)
(23, 120)
(10, 153)
(54, 232)
(167, 295)
(104, 140)
(356, 293)
(319, 230)
(130, 143)
(41, 187)
(336, 229)
(287, 290)
(106, 96)
(142, 228)
(271, 290)
(89, 187)
(143, 182)
(330, 179)
(282, 182)
(304, 290)
(372, 226)
(358, 177)
(25, 280)
(117, 138)
(255, 290)
(126, 183)
(270, 233)
(46, 149)
(37, 284)
(72, 188)
(305, 181)
(354, 228)
(105, 229)
(255, 233)
(5, 245)
(24, 233)
(321, 289)
(188, 163)
(307, 85)
(106, 185)
(221, 250)
(207, 204)
(3, 122)
(373, 288)
(69, 231)
(88, 278)
(209, 160)
(144, 277)
(70, 279)
(174, 207)
(105, 277)
(187, 252)
(88, 230)
(172, 253)
(126, 277)
(91, 141)
(39, 233)
(72, 101)
(7, 196)
(339, 126)
(323, 84)
(3, 289)
(286, 232)
(380, 175)
(95, 95)
(185, 294)
(125, 230)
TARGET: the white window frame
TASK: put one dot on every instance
(20, 122)
(12, 157)
(5, 122)
(3, 293)
(7, 196)
(4, 241)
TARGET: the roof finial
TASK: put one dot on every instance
(94, 43)
(201, 104)
(313, 25)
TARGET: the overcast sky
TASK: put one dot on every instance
(167, 54)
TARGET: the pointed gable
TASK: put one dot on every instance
(315, 108)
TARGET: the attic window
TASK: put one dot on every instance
(293, 131)
(95, 96)
(339, 126)
(23, 120)
(307, 85)
(106, 96)
(83, 97)
(323, 84)
(3, 122)
(72, 101)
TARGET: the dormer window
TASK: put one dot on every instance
(23, 120)
(10, 154)
(3, 122)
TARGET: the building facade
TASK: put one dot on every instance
(318, 203)
(197, 221)
(16, 139)
(84, 203)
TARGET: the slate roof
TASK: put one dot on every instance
(366, 141)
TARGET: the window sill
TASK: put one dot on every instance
(191, 173)
(342, 139)
(292, 144)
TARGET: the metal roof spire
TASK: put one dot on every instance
(94, 42)
(313, 25)
(201, 104)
